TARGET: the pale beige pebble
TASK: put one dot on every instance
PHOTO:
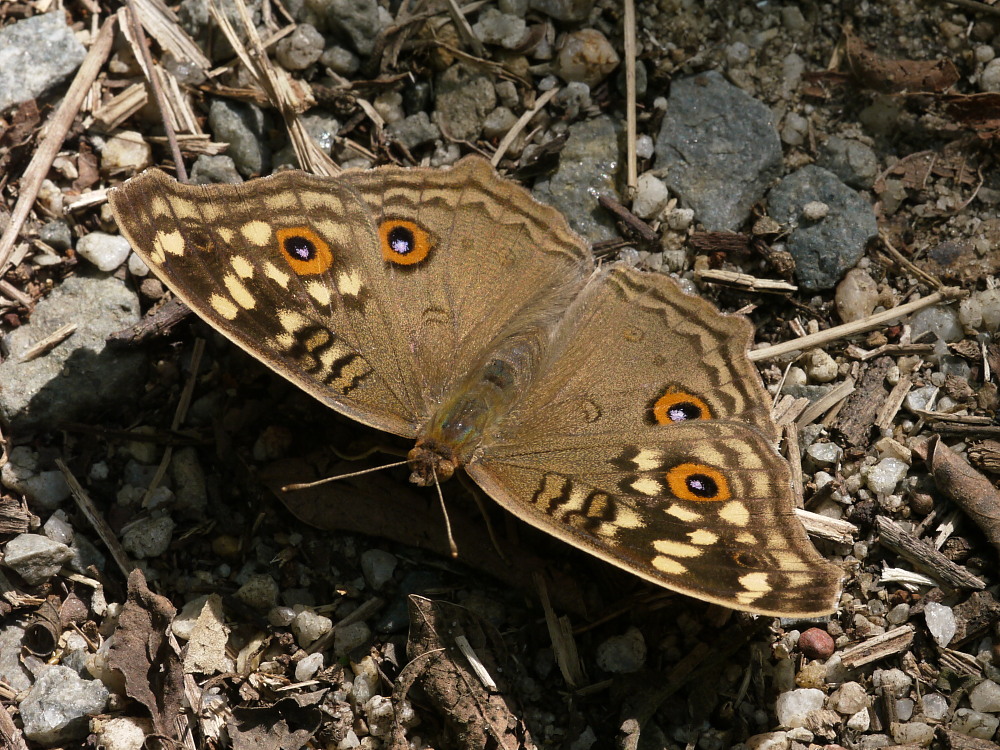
(848, 699)
(125, 152)
(856, 295)
(820, 366)
(815, 211)
(970, 313)
(912, 733)
(860, 722)
(989, 302)
(122, 732)
(812, 675)
(586, 55)
(651, 196)
(768, 741)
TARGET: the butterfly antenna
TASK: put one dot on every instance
(318, 482)
(447, 520)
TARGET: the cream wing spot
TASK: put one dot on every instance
(242, 267)
(257, 232)
(226, 234)
(703, 537)
(755, 585)
(647, 460)
(735, 513)
(682, 514)
(675, 549)
(349, 283)
(240, 294)
(223, 306)
(276, 275)
(668, 565)
(319, 292)
(160, 208)
(291, 321)
(171, 243)
(745, 537)
(647, 486)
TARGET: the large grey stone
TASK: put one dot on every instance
(719, 148)
(36, 55)
(80, 377)
(824, 248)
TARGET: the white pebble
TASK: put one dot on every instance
(794, 706)
(651, 196)
(815, 211)
(941, 622)
(856, 296)
(985, 697)
(106, 251)
(883, 477)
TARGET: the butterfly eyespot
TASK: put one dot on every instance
(307, 253)
(698, 483)
(403, 242)
(746, 559)
(676, 406)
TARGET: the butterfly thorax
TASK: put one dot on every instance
(457, 427)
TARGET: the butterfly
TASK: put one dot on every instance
(601, 405)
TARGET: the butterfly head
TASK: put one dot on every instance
(431, 462)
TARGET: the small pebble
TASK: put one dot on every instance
(816, 644)
(912, 733)
(820, 366)
(377, 566)
(35, 558)
(308, 627)
(860, 722)
(148, 537)
(904, 709)
(898, 614)
(941, 622)
(975, 724)
(883, 477)
(651, 196)
(856, 295)
(587, 56)
(347, 638)
(106, 251)
(622, 654)
(300, 49)
(895, 681)
(935, 706)
(815, 211)
(985, 697)
(794, 706)
(307, 667)
(259, 592)
(125, 152)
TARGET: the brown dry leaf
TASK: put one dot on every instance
(878, 73)
(206, 650)
(978, 112)
(474, 715)
(287, 725)
(969, 489)
(141, 652)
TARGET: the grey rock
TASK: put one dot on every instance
(59, 704)
(243, 127)
(300, 49)
(564, 10)
(719, 148)
(189, 481)
(80, 376)
(34, 557)
(852, 161)
(322, 127)
(36, 55)
(148, 537)
(45, 490)
(465, 97)
(208, 170)
(588, 166)
(12, 671)
(622, 654)
(504, 29)
(824, 250)
(340, 60)
(358, 19)
(56, 234)
(414, 130)
(377, 566)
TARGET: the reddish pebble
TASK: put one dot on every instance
(816, 644)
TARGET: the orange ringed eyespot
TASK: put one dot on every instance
(698, 483)
(403, 242)
(675, 406)
(307, 253)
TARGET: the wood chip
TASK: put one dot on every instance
(925, 557)
(893, 642)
